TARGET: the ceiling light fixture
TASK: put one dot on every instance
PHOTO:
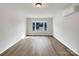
(39, 5)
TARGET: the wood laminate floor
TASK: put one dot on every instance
(38, 46)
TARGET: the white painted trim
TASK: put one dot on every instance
(66, 44)
(13, 43)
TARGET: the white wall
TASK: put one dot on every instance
(12, 27)
(13, 18)
(66, 30)
(49, 26)
(13, 21)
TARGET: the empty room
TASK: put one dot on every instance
(39, 29)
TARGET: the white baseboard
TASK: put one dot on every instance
(9, 46)
(22, 37)
(66, 45)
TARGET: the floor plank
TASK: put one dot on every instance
(38, 46)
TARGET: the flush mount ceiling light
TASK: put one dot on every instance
(39, 5)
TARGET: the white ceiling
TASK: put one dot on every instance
(29, 10)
